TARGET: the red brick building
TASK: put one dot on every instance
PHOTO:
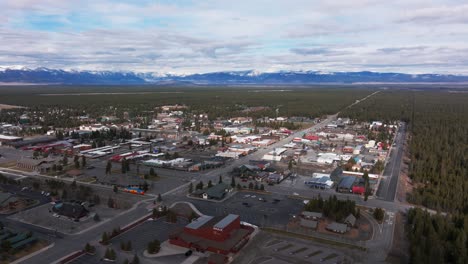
(220, 235)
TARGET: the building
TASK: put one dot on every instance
(359, 189)
(6, 139)
(312, 215)
(337, 228)
(274, 155)
(42, 165)
(309, 223)
(350, 220)
(216, 192)
(320, 180)
(220, 235)
(73, 211)
(346, 184)
(94, 127)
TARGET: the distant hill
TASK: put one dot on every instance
(52, 76)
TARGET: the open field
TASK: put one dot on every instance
(5, 106)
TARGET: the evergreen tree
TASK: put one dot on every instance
(233, 182)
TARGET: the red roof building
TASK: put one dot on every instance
(357, 189)
(220, 235)
(311, 137)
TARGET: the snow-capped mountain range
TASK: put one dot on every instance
(19, 74)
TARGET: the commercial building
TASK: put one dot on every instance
(216, 192)
(219, 235)
(320, 180)
(73, 211)
(5, 139)
(346, 184)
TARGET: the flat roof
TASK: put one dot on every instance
(199, 222)
(225, 221)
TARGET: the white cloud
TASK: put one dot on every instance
(408, 36)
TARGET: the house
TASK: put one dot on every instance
(337, 228)
(219, 235)
(350, 220)
(312, 215)
(309, 223)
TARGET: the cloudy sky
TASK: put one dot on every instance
(183, 36)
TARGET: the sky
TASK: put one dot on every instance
(185, 37)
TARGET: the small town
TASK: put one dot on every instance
(203, 188)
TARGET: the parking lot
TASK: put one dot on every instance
(139, 237)
(269, 248)
(255, 208)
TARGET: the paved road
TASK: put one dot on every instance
(388, 185)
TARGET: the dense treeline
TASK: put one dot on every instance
(438, 143)
(216, 102)
(437, 238)
(438, 126)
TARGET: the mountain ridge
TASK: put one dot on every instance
(73, 77)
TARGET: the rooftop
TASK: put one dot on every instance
(199, 222)
(225, 221)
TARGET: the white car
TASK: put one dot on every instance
(247, 196)
(253, 196)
